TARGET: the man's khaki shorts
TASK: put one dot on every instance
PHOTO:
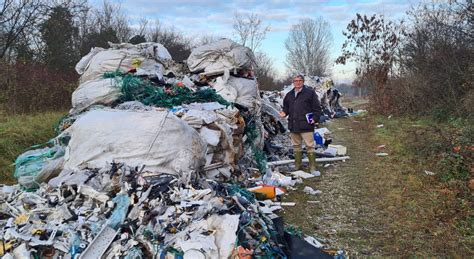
(297, 140)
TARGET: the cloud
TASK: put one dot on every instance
(215, 17)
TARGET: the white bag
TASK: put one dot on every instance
(100, 91)
(157, 139)
(219, 56)
(123, 57)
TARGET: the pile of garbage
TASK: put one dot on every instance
(154, 160)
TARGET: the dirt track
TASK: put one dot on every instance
(377, 206)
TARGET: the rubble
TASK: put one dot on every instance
(146, 164)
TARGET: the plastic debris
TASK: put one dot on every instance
(142, 166)
(302, 174)
(340, 149)
(264, 192)
(311, 191)
(429, 172)
(326, 159)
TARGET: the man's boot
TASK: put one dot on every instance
(298, 160)
(312, 162)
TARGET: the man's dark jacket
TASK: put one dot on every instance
(297, 107)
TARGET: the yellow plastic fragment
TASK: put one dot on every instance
(21, 219)
(5, 247)
(136, 63)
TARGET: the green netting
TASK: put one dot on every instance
(31, 162)
(260, 159)
(116, 73)
(234, 189)
(29, 165)
(252, 134)
(293, 230)
(135, 88)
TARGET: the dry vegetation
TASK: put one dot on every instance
(388, 206)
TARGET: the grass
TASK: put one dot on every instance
(388, 206)
(19, 132)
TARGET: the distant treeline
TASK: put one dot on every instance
(41, 41)
(422, 65)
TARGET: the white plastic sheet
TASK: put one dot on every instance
(239, 90)
(218, 244)
(157, 139)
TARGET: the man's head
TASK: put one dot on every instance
(298, 81)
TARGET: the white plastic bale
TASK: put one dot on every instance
(148, 49)
(82, 65)
(111, 60)
(219, 56)
(100, 91)
(157, 139)
(124, 57)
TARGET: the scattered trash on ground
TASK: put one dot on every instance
(429, 172)
(302, 174)
(162, 160)
(311, 191)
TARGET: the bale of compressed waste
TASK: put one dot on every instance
(100, 91)
(220, 56)
(157, 140)
(147, 56)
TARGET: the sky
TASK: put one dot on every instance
(215, 17)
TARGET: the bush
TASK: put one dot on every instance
(448, 147)
(28, 88)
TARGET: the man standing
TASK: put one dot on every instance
(303, 109)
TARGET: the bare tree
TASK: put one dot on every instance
(142, 27)
(112, 17)
(154, 30)
(206, 39)
(308, 47)
(16, 17)
(177, 44)
(265, 72)
(437, 59)
(249, 30)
